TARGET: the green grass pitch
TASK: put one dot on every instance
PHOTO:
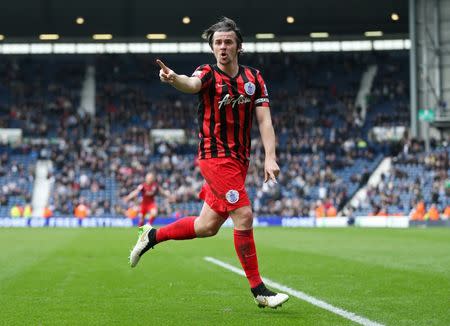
(81, 277)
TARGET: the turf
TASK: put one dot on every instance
(81, 277)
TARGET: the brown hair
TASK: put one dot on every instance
(225, 24)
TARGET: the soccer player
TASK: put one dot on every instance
(229, 95)
(148, 189)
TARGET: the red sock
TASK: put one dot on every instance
(141, 222)
(182, 229)
(246, 251)
(151, 220)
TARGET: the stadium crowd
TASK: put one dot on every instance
(324, 149)
(417, 184)
(16, 177)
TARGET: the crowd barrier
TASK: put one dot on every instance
(305, 222)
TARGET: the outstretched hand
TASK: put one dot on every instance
(166, 75)
(271, 170)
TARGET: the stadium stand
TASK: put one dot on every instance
(40, 95)
(16, 178)
(389, 97)
(303, 108)
(417, 181)
(324, 146)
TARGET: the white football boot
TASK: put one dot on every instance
(146, 240)
(266, 298)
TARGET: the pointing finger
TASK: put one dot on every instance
(163, 66)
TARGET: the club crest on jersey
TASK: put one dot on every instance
(232, 196)
(249, 88)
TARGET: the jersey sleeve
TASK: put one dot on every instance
(203, 72)
(261, 96)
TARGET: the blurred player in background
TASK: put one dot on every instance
(148, 190)
(229, 95)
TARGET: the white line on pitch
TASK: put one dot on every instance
(301, 295)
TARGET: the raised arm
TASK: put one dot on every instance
(271, 168)
(164, 192)
(183, 83)
(133, 194)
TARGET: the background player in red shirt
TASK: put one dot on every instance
(229, 95)
(148, 190)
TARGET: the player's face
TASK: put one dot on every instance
(149, 178)
(225, 47)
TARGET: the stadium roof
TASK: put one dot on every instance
(134, 19)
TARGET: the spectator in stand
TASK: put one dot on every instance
(419, 211)
(16, 211)
(446, 213)
(27, 211)
(47, 212)
(331, 211)
(320, 210)
(432, 214)
(81, 211)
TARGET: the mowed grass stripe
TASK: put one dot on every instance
(89, 282)
(67, 276)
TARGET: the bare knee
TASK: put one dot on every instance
(242, 218)
(208, 229)
(209, 232)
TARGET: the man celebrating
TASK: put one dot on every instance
(148, 189)
(229, 94)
